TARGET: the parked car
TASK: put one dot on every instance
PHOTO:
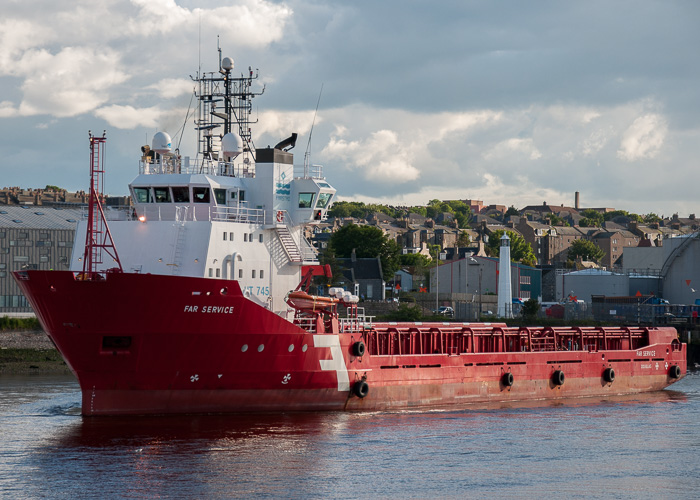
(444, 311)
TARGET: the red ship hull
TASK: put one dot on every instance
(153, 344)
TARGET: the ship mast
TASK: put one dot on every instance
(225, 101)
(97, 237)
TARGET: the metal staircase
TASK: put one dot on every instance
(289, 245)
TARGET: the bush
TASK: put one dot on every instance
(405, 312)
(7, 323)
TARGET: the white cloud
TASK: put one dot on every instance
(279, 125)
(381, 157)
(644, 138)
(72, 82)
(513, 149)
(253, 23)
(7, 110)
(128, 117)
(169, 88)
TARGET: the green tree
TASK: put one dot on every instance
(555, 220)
(530, 309)
(591, 218)
(586, 250)
(367, 241)
(512, 211)
(624, 213)
(520, 250)
(464, 240)
(651, 217)
(414, 260)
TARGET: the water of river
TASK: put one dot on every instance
(645, 446)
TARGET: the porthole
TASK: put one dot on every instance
(244, 348)
(304, 348)
(261, 347)
(291, 347)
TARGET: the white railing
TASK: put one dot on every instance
(308, 172)
(238, 214)
(182, 213)
(186, 165)
(191, 166)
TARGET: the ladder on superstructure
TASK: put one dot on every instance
(98, 239)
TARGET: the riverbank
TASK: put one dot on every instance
(29, 351)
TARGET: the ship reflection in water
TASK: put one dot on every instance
(638, 445)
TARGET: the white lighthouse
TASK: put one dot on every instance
(505, 295)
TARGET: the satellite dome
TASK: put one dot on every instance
(227, 63)
(231, 144)
(162, 143)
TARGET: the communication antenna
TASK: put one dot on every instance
(307, 154)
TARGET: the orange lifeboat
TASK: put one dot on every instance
(304, 301)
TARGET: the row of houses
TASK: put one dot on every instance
(40, 234)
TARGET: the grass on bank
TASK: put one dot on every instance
(31, 361)
(15, 324)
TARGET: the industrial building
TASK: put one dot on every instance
(32, 237)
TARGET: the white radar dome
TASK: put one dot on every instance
(231, 144)
(227, 63)
(162, 143)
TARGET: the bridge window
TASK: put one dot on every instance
(323, 200)
(162, 194)
(142, 195)
(306, 200)
(200, 194)
(220, 195)
(181, 194)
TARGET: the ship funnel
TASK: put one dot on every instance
(288, 143)
(231, 144)
(162, 143)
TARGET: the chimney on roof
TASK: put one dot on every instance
(576, 200)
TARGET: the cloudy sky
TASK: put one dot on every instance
(509, 102)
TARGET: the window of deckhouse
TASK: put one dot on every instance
(220, 195)
(162, 194)
(181, 194)
(142, 195)
(306, 200)
(200, 194)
